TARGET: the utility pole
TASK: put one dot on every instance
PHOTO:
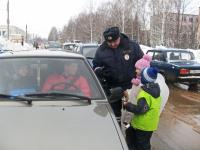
(91, 21)
(163, 21)
(8, 21)
(123, 16)
(138, 28)
(26, 34)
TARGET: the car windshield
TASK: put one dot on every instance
(22, 76)
(89, 51)
(179, 56)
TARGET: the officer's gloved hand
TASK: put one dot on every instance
(106, 72)
(99, 71)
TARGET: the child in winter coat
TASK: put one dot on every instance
(147, 112)
(139, 65)
(164, 90)
(132, 93)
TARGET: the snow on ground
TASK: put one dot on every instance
(6, 44)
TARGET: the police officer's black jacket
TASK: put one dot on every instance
(119, 64)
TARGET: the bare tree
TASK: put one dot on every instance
(89, 26)
(69, 31)
(91, 21)
(161, 11)
(181, 6)
(53, 35)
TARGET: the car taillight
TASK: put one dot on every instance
(184, 71)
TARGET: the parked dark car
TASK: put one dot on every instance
(60, 119)
(177, 65)
(87, 50)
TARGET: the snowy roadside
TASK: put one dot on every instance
(8, 45)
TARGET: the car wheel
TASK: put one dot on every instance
(167, 79)
(193, 87)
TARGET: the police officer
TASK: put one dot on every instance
(114, 63)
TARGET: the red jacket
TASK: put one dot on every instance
(59, 82)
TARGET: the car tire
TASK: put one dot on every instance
(193, 87)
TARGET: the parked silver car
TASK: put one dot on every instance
(40, 109)
(69, 46)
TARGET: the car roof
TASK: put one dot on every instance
(168, 49)
(88, 44)
(41, 53)
(69, 43)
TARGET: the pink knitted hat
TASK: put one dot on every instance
(143, 62)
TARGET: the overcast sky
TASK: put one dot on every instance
(42, 15)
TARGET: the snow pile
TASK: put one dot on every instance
(145, 48)
(196, 53)
(8, 45)
(161, 47)
(18, 46)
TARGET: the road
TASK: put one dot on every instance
(179, 127)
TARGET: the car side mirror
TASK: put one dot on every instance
(116, 94)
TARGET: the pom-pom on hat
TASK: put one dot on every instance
(149, 75)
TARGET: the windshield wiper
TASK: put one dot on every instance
(57, 94)
(17, 98)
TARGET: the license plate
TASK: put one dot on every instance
(194, 71)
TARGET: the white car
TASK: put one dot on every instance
(69, 46)
(69, 116)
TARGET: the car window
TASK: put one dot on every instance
(174, 56)
(89, 51)
(22, 76)
(186, 56)
(179, 56)
(158, 56)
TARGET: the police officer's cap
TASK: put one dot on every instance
(111, 34)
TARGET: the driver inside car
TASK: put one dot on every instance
(69, 81)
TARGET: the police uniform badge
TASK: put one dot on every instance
(110, 38)
(126, 56)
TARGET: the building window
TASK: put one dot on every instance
(3, 33)
(191, 19)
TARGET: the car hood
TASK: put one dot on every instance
(186, 63)
(59, 128)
